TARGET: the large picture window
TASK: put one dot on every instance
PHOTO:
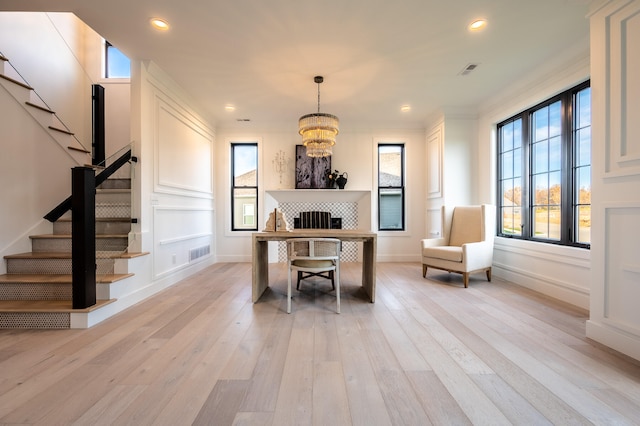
(244, 186)
(544, 171)
(391, 187)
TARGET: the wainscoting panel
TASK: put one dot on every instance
(435, 148)
(434, 223)
(184, 235)
(623, 139)
(622, 271)
(614, 317)
(184, 153)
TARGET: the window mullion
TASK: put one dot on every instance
(526, 176)
(567, 164)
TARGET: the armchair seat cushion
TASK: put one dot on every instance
(450, 253)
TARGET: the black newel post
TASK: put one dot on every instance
(83, 237)
(97, 97)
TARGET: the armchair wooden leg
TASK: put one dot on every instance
(489, 274)
(465, 278)
(424, 271)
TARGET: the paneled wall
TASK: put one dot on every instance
(176, 205)
(615, 288)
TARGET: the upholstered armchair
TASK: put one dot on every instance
(466, 245)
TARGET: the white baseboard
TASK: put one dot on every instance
(561, 290)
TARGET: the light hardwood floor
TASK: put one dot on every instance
(427, 352)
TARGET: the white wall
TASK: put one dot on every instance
(60, 57)
(560, 272)
(356, 153)
(451, 140)
(50, 51)
(173, 194)
(173, 180)
(615, 290)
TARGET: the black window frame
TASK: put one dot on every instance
(401, 187)
(568, 233)
(234, 187)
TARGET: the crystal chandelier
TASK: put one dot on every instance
(318, 130)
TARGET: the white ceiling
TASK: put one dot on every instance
(375, 56)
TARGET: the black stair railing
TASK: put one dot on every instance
(84, 183)
(57, 212)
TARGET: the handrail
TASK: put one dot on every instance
(57, 212)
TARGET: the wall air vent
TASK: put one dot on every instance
(467, 69)
(199, 252)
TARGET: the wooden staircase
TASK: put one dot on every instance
(36, 290)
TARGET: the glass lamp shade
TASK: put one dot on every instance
(318, 132)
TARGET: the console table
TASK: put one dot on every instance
(260, 254)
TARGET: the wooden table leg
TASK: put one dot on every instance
(369, 268)
(260, 268)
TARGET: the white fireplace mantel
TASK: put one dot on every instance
(362, 198)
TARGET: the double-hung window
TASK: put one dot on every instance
(244, 186)
(544, 171)
(391, 187)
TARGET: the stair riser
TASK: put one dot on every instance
(113, 197)
(102, 228)
(57, 245)
(52, 266)
(45, 291)
(35, 291)
(113, 210)
(35, 320)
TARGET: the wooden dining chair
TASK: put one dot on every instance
(314, 255)
(315, 220)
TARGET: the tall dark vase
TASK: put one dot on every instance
(341, 181)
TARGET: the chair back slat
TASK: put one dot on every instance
(313, 248)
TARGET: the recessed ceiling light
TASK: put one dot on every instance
(229, 107)
(159, 24)
(478, 25)
(405, 108)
